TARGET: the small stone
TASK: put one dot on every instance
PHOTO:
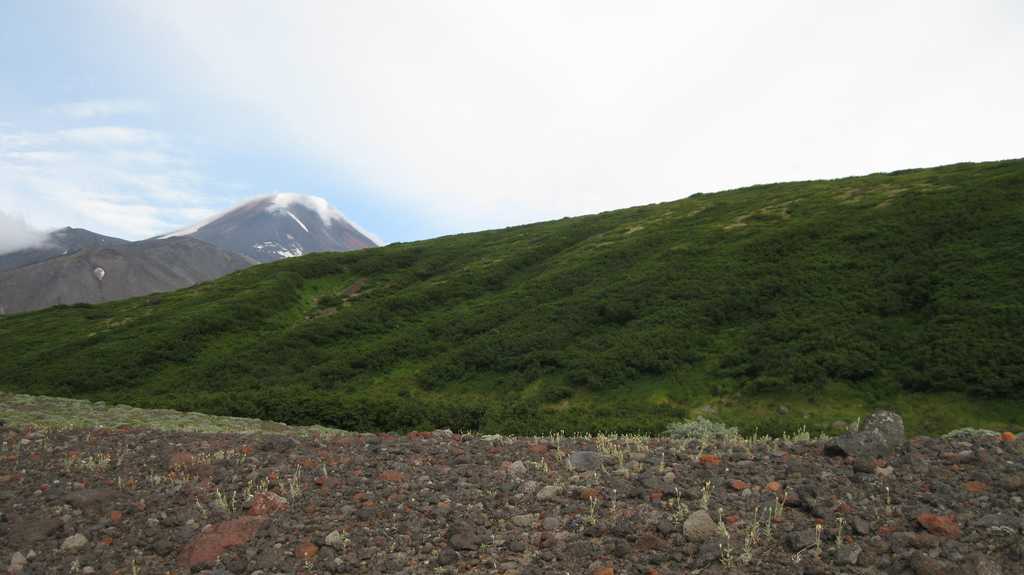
(306, 550)
(975, 487)
(552, 522)
(464, 539)
(709, 552)
(267, 503)
(18, 562)
(517, 469)
(584, 460)
(848, 554)
(885, 472)
(797, 540)
(738, 485)
(76, 541)
(334, 539)
(941, 525)
(708, 459)
(699, 527)
(925, 565)
(525, 520)
(548, 492)
(447, 557)
(983, 565)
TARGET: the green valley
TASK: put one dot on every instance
(770, 307)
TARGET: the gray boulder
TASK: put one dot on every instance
(880, 434)
(699, 527)
(798, 540)
(585, 460)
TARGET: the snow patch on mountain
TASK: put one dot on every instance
(298, 221)
(275, 248)
(328, 215)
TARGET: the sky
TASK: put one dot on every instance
(424, 118)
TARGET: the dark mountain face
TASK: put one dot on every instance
(112, 272)
(280, 226)
(64, 241)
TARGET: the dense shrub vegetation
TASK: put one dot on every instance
(859, 290)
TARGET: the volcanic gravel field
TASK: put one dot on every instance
(128, 500)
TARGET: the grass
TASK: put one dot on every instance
(829, 298)
(18, 410)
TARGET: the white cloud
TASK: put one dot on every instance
(16, 234)
(107, 136)
(487, 113)
(114, 180)
(91, 109)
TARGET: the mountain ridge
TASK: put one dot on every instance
(109, 273)
(257, 231)
(278, 226)
(60, 242)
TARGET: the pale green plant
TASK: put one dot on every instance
(702, 429)
(592, 514)
(705, 495)
(295, 483)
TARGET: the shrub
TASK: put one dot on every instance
(701, 428)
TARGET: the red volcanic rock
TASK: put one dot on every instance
(976, 486)
(708, 459)
(392, 475)
(306, 550)
(267, 503)
(738, 485)
(942, 525)
(208, 545)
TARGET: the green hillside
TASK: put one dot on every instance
(773, 306)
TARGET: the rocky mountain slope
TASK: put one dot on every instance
(70, 267)
(129, 500)
(114, 272)
(58, 243)
(280, 226)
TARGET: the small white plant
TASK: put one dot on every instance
(705, 495)
(294, 483)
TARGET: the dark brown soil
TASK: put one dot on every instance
(147, 501)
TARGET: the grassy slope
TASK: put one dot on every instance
(40, 411)
(830, 297)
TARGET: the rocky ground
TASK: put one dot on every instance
(132, 500)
